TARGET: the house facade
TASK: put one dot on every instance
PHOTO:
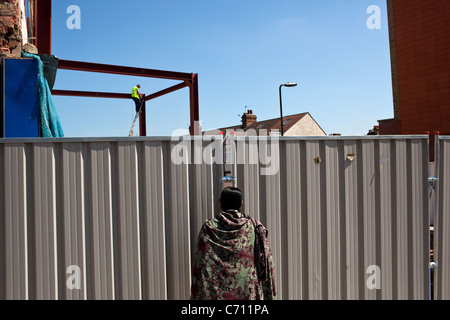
(302, 124)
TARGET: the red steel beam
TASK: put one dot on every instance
(43, 26)
(121, 70)
(90, 94)
(167, 91)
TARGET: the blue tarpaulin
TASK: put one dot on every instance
(49, 119)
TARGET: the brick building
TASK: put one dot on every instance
(419, 32)
(302, 124)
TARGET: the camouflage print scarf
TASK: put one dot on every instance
(233, 260)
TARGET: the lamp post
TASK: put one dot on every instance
(289, 85)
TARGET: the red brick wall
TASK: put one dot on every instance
(422, 36)
(10, 38)
(389, 127)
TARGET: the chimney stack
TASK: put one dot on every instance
(248, 118)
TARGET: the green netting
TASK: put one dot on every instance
(49, 119)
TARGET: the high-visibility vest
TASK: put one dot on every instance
(135, 93)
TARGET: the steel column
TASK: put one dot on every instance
(43, 26)
(194, 103)
(143, 120)
(2, 99)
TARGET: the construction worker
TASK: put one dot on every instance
(137, 97)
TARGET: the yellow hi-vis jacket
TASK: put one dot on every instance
(135, 93)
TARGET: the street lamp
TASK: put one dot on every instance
(289, 85)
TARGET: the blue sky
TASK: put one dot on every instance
(242, 50)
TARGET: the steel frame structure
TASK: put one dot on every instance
(43, 14)
(188, 80)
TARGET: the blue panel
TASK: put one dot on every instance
(21, 98)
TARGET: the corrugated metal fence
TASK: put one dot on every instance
(342, 211)
(119, 210)
(442, 221)
(118, 218)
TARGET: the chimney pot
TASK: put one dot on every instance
(248, 118)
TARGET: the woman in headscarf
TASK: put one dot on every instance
(233, 260)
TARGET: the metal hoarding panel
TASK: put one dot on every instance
(247, 172)
(205, 171)
(42, 233)
(442, 220)
(14, 226)
(126, 221)
(270, 203)
(177, 222)
(71, 222)
(99, 222)
(151, 194)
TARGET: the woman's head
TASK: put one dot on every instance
(231, 199)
